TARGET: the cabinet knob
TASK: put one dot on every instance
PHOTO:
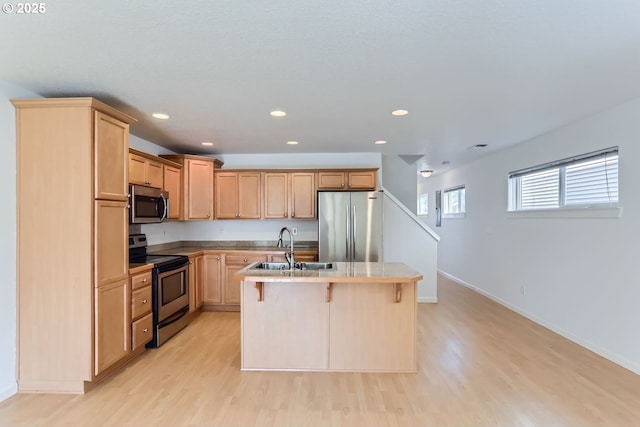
(145, 330)
(208, 215)
(218, 258)
(293, 215)
(190, 262)
(144, 280)
(144, 301)
(245, 260)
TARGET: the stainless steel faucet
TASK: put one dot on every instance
(290, 255)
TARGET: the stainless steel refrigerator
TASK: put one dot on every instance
(350, 226)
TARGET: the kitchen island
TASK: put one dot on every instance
(354, 317)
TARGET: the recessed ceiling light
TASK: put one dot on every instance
(161, 116)
(206, 143)
(292, 143)
(380, 142)
(399, 112)
(278, 113)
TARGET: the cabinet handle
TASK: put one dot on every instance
(397, 292)
(245, 260)
(329, 288)
(144, 280)
(293, 215)
(144, 301)
(218, 258)
(145, 330)
(190, 262)
(208, 215)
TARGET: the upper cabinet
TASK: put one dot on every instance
(289, 195)
(172, 186)
(356, 179)
(111, 143)
(197, 199)
(145, 171)
(238, 195)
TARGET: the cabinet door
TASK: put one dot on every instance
(331, 180)
(369, 330)
(112, 324)
(199, 281)
(111, 151)
(303, 195)
(249, 195)
(231, 285)
(211, 274)
(226, 195)
(362, 180)
(172, 185)
(200, 189)
(111, 241)
(155, 174)
(137, 169)
(276, 199)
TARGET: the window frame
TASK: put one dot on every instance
(609, 209)
(445, 204)
(424, 212)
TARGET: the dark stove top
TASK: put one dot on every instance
(138, 255)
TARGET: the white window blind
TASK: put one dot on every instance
(453, 201)
(582, 181)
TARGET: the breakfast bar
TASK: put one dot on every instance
(343, 317)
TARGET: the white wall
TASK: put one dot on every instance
(400, 179)
(580, 275)
(8, 384)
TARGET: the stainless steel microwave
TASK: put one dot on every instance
(147, 204)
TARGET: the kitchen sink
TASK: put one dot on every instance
(298, 266)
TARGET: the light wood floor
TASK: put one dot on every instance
(480, 365)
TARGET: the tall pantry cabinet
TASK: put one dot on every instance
(74, 305)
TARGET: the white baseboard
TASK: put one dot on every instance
(615, 358)
(8, 390)
(430, 300)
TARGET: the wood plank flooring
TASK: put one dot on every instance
(480, 365)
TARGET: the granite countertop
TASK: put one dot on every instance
(363, 272)
(190, 247)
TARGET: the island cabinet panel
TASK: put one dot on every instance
(296, 344)
(370, 330)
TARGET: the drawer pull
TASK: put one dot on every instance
(145, 330)
(144, 301)
(144, 280)
(245, 260)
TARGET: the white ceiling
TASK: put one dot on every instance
(494, 72)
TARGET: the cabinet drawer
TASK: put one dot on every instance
(244, 259)
(140, 280)
(141, 331)
(140, 302)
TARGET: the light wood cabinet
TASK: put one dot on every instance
(145, 171)
(197, 182)
(300, 256)
(212, 279)
(112, 324)
(73, 288)
(289, 195)
(238, 195)
(361, 179)
(172, 185)
(231, 284)
(141, 309)
(196, 282)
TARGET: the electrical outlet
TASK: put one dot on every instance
(294, 230)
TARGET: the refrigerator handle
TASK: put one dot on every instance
(348, 236)
(353, 240)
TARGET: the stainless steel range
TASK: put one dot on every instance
(170, 287)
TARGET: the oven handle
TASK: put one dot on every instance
(174, 317)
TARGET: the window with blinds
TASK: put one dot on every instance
(453, 202)
(582, 181)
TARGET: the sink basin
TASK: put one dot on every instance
(298, 266)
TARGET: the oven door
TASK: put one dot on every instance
(148, 204)
(172, 292)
